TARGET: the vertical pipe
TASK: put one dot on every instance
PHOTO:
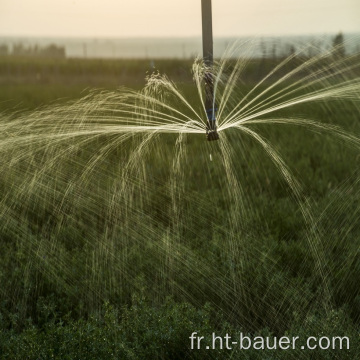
(208, 55)
(207, 32)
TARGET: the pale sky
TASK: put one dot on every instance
(166, 18)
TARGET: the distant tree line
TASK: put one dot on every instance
(268, 50)
(49, 51)
(277, 49)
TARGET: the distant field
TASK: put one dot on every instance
(26, 83)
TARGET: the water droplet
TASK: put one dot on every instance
(210, 157)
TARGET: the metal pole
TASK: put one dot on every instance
(208, 55)
(207, 32)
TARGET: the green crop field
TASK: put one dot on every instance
(117, 242)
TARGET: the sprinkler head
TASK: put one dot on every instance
(212, 135)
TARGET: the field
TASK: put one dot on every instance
(123, 249)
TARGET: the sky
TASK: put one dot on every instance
(182, 18)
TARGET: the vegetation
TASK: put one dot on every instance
(339, 45)
(136, 287)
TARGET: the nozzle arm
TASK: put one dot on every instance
(210, 107)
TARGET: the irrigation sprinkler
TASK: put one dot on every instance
(208, 55)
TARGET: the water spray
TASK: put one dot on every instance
(208, 55)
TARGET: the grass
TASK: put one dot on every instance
(136, 287)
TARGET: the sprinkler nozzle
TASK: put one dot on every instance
(212, 135)
(211, 129)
